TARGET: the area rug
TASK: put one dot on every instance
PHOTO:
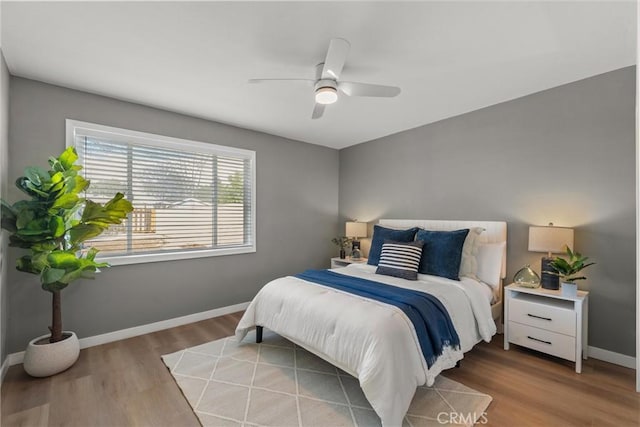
(277, 383)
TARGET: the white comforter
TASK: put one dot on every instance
(373, 341)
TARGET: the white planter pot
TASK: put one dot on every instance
(43, 360)
(569, 289)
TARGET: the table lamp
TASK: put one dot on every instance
(355, 229)
(552, 240)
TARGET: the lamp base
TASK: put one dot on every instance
(355, 250)
(548, 281)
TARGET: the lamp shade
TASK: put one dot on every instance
(356, 229)
(550, 239)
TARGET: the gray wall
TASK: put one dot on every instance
(297, 214)
(4, 147)
(565, 155)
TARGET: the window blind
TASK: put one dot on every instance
(189, 198)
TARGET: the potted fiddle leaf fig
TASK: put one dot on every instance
(51, 224)
(568, 269)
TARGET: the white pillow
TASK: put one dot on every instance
(468, 262)
(490, 263)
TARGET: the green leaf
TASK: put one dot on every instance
(24, 264)
(56, 226)
(82, 268)
(79, 184)
(37, 226)
(27, 187)
(46, 246)
(17, 242)
(51, 275)
(64, 260)
(87, 272)
(113, 212)
(39, 261)
(55, 165)
(36, 175)
(568, 268)
(68, 158)
(77, 274)
(82, 232)
(66, 201)
(34, 205)
(7, 210)
(57, 177)
(91, 254)
(8, 223)
(57, 190)
(24, 218)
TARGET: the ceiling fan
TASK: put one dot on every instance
(327, 82)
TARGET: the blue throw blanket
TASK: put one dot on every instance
(430, 319)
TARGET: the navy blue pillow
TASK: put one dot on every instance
(442, 252)
(380, 234)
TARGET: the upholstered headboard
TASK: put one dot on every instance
(495, 231)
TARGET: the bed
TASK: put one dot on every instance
(375, 342)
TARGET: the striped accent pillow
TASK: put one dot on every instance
(400, 259)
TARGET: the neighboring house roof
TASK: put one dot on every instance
(190, 201)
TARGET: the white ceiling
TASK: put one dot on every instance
(195, 58)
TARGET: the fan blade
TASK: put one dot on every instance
(336, 57)
(318, 111)
(366, 89)
(308, 81)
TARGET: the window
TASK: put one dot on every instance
(191, 199)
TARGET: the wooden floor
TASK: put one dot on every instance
(126, 384)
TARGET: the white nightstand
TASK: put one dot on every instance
(547, 321)
(337, 262)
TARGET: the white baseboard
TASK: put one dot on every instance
(4, 368)
(16, 358)
(612, 357)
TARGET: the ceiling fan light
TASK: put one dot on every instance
(326, 95)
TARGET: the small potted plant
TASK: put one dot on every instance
(567, 270)
(51, 225)
(342, 242)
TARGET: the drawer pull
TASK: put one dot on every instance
(539, 317)
(539, 340)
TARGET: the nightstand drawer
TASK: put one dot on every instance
(548, 314)
(539, 339)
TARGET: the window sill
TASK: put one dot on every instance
(174, 256)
